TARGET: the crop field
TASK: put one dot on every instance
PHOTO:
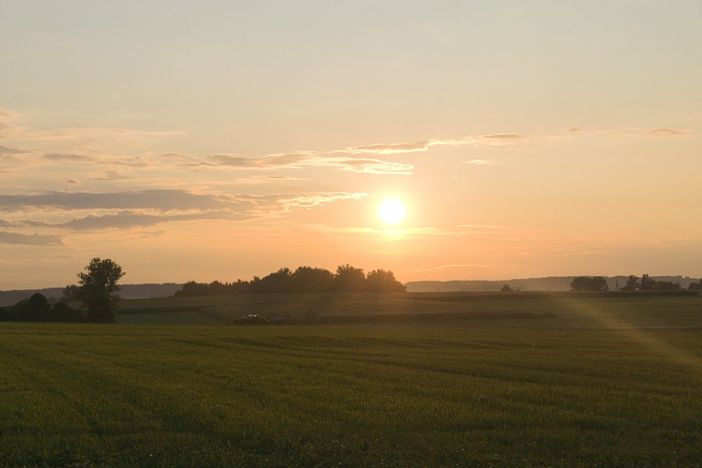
(604, 381)
(518, 309)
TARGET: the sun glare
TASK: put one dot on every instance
(391, 211)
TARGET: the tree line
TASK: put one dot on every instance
(94, 299)
(304, 279)
(634, 283)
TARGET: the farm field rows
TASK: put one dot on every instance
(559, 310)
(364, 395)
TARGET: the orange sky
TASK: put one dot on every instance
(225, 141)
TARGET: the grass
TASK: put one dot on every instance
(404, 394)
(570, 310)
(363, 395)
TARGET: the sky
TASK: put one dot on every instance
(203, 140)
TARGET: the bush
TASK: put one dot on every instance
(62, 312)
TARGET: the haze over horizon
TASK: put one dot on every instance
(192, 141)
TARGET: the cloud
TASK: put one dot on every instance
(128, 219)
(266, 162)
(112, 175)
(28, 239)
(661, 132)
(67, 157)
(358, 159)
(376, 166)
(9, 151)
(393, 148)
(6, 118)
(481, 162)
(90, 134)
(228, 207)
(666, 132)
(158, 199)
(300, 160)
(425, 145)
(309, 200)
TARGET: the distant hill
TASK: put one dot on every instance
(128, 291)
(550, 283)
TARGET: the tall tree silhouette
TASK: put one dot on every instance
(98, 288)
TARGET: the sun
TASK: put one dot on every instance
(391, 211)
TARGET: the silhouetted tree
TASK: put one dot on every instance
(101, 310)
(589, 283)
(303, 279)
(8, 314)
(383, 281)
(71, 293)
(277, 282)
(62, 312)
(349, 279)
(309, 279)
(99, 288)
(38, 308)
(506, 289)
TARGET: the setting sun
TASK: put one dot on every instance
(391, 211)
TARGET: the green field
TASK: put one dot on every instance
(519, 309)
(604, 381)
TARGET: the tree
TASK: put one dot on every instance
(62, 312)
(589, 283)
(506, 289)
(101, 310)
(98, 288)
(309, 279)
(349, 279)
(277, 282)
(71, 293)
(383, 281)
(38, 308)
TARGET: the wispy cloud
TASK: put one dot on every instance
(365, 159)
(86, 134)
(7, 117)
(129, 219)
(299, 160)
(662, 132)
(67, 157)
(4, 150)
(159, 199)
(28, 239)
(667, 132)
(425, 145)
(124, 210)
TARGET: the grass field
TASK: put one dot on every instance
(603, 383)
(534, 309)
